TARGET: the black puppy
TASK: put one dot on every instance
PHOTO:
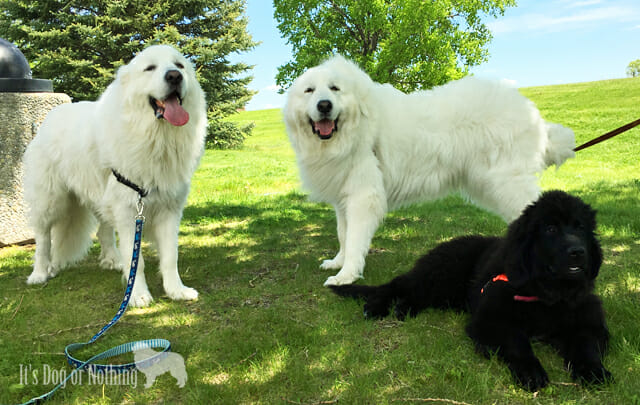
(537, 282)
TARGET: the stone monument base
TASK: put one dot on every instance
(20, 116)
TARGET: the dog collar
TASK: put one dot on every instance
(141, 191)
(521, 298)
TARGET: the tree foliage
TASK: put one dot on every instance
(633, 70)
(80, 43)
(413, 44)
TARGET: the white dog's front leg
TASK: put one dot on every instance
(166, 236)
(42, 259)
(109, 256)
(338, 261)
(140, 295)
(364, 212)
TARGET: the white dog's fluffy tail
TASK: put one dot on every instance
(71, 234)
(560, 145)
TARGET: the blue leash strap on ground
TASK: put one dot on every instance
(137, 241)
(118, 350)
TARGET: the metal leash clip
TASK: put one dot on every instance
(140, 208)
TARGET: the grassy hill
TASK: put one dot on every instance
(265, 330)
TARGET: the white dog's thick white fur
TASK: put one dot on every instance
(367, 148)
(69, 184)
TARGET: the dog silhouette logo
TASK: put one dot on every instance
(153, 364)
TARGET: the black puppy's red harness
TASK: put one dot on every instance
(503, 277)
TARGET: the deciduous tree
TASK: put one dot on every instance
(633, 70)
(413, 44)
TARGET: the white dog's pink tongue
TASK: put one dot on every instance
(174, 113)
(324, 127)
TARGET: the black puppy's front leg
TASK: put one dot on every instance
(523, 364)
(513, 347)
(590, 374)
(584, 342)
(583, 357)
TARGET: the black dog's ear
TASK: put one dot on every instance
(518, 250)
(596, 256)
(595, 251)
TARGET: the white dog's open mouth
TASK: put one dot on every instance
(170, 109)
(324, 128)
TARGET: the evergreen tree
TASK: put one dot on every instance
(80, 43)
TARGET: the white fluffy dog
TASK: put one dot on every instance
(367, 148)
(149, 126)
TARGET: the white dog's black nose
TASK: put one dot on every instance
(324, 106)
(173, 77)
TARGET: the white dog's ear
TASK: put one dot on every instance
(363, 91)
(363, 85)
(123, 74)
(364, 105)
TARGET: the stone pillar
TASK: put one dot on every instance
(20, 116)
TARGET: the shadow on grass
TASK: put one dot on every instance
(264, 327)
(274, 272)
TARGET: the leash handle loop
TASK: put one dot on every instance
(121, 349)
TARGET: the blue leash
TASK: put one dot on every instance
(121, 349)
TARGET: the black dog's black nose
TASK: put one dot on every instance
(576, 251)
(324, 106)
(173, 77)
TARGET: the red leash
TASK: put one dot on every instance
(608, 135)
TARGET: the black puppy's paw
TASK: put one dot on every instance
(530, 375)
(402, 309)
(590, 374)
(375, 309)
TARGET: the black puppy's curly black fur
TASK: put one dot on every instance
(536, 282)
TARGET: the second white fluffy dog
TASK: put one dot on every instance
(149, 126)
(367, 148)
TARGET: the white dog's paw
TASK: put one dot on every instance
(37, 277)
(142, 299)
(332, 264)
(53, 270)
(140, 295)
(182, 293)
(110, 261)
(40, 275)
(340, 279)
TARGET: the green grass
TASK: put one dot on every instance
(265, 331)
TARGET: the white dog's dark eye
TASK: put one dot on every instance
(309, 90)
(150, 68)
(179, 65)
(334, 88)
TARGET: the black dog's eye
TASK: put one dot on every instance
(579, 225)
(334, 88)
(150, 68)
(551, 229)
(179, 65)
(309, 90)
